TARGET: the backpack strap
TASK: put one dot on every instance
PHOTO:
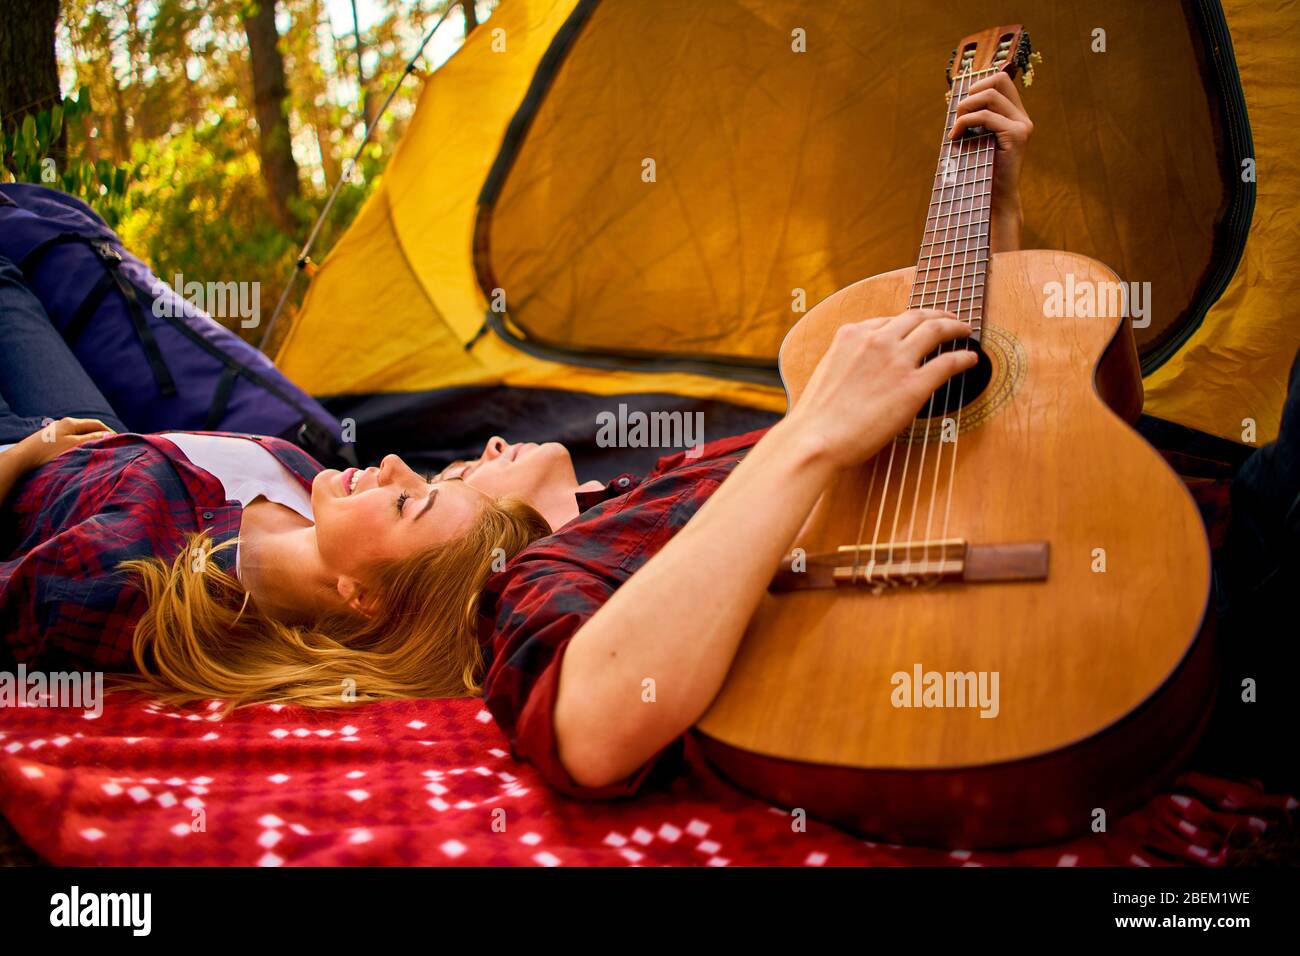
(81, 318)
(161, 374)
(38, 252)
(111, 260)
(221, 397)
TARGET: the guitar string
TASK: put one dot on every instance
(950, 166)
(976, 214)
(962, 173)
(893, 447)
(946, 146)
(986, 149)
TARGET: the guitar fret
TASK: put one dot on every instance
(955, 254)
(960, 170)
(970, 168)
(967, 262)
(938, 295)
(975, 268)
(967, 247)
(971, 184)
(961, 212)
(951, 282)
(979, 240)
(969, 258)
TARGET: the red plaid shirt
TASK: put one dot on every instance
(66, 526)
(530, 611)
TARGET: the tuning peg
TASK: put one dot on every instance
(1027, 78)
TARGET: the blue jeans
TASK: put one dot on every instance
(40, 378)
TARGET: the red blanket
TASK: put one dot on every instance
(431, 782)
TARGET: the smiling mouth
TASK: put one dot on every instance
(349, 478)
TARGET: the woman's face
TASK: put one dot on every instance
(367, 516)
(541, 475)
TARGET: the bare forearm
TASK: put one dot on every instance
(678, 621)
(1005, 224)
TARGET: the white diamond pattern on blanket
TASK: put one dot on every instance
(285, 785)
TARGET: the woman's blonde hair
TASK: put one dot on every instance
(202, 638)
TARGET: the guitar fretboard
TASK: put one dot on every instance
(954, 255)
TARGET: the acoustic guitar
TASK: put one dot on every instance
(990, 634)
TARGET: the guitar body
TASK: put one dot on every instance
(1103, 680)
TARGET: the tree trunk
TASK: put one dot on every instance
(29, 73)
(270, 106)
(363, 87)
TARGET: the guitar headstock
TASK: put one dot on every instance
(998, 48)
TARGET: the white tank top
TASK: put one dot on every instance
(246, 471)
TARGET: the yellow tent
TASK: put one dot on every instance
(618, 201)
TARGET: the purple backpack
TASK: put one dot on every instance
(161, 362)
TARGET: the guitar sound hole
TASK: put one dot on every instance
(962, 389)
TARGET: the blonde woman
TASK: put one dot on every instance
(234, 566)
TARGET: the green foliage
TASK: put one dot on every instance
(169, 153)
(29, 154)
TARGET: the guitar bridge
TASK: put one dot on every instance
(880, 567)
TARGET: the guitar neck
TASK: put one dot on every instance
(954, 255)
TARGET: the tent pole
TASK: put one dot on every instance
(348, 169)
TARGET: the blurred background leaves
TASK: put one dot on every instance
(208, 133)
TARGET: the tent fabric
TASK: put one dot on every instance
(1235, 366)
(394, 304)
(519, 183)
(777, 170)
